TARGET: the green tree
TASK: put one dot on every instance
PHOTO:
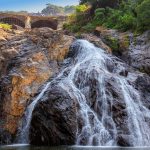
(101, 3)
(143, 15)
(81, 8)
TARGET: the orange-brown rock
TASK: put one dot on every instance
(59, 50)
(3, 34)
(25, 82)
(32, 60)
(10, 43)
(56, 43)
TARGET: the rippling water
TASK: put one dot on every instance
(28, 147)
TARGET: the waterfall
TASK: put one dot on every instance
(91, 79)
(24, 132)
(94, 59)
(137, 114)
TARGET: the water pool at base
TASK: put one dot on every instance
(29, 147)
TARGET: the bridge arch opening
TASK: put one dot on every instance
(44, 23)
(13, 20)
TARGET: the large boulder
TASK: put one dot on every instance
(54, 119)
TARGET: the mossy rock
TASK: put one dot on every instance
(119, 43)
(78, 35)
(144, 69)
(124, 42)
(113, 43)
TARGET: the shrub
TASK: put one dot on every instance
(99, 15)
(5, 26)
(81, 8)
(113, 19)
(89, 27)
(72, 27)
(143, 15)
(75, 28)
(128, 15)
(72, 18)
(126, 22)
(113, 43)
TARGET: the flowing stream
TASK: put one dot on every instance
(90, 70)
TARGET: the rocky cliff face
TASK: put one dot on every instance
(28, 60)
(139, 52)
(134, 49)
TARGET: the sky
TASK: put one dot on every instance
(32, 5)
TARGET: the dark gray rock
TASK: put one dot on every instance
(54, 119)
(139, 52)
(5, 137)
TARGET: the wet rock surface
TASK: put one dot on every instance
(59, 116)
(29, 59)
(54, 119)
(96, 41)
(134, 49)
(139, 52)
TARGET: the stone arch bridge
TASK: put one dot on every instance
(29, 21)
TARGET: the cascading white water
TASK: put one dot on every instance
(98, 125)
(137, 114)
(94, 59)
(23, 137)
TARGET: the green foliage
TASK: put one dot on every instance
(5, 26)
(143, 15)
(81, 8)
(72, 18)
(101, 3)
(77, 20)
(113, 43)
(115, 18)
(72, 27)
(99, 15)
(126, 22)
(126, 15)
(89, 27)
